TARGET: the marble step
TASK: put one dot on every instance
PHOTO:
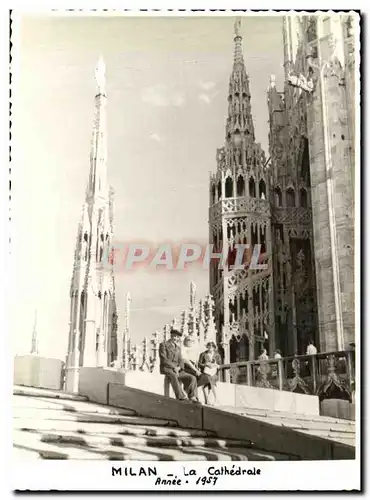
(283, 415)
(25, 416)
(334, 436)
(19, 390)
(34, 445)
(310, 425)
(91, 428)
(129, 440)
(32, 403)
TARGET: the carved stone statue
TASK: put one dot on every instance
(237, 26)
(300, 260)
(237, 105)
(300, 82)
(237, 157)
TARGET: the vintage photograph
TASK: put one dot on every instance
(183, 222)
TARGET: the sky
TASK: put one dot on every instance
(167, 83)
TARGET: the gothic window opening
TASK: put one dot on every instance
(101, 248)
(213, 194)
(278, 197)
(290, 198)
(240, 186)
(85, 246)
(243, 299)
(232, 312)
(262, 189)
(256, 300)
(263, 240)
(303, 198)
(252, 188)
(305, 163)
(254, 236)
(219, 190)
(229, 187)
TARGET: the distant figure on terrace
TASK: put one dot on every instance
(190, 354)
(172, 365)
(277, 354)
(209, 362)
(263, 356)
(311, 349)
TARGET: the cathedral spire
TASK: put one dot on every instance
(239, 125)
(97, 186)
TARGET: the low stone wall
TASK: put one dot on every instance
(338, 408)
(93, 383)
(36, 371)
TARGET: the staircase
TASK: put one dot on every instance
(341, 431)
(56, 425)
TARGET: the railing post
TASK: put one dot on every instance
(249, 374)
(314, 372)
(280, 374)
(350, 370)
(227, 375)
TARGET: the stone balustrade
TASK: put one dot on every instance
(327, 375)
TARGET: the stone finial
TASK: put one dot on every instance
(185, 323)
(34, 345)
(145, 362)
(193, 290)
(166, 332)
(272, 82)
(237, 26)
(155, 342)
(210, 330)
(201, 322)
(100, 75)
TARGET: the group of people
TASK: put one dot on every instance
(186, 371)
(311, 350)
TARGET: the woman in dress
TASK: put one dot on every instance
(209, 362)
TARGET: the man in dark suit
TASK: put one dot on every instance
(172, 365)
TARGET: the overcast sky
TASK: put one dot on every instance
(167, 83)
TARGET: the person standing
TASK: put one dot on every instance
(311, 349)
(172, 365)
(209, 362)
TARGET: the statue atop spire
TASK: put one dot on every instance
(100, 75)
(237, 27)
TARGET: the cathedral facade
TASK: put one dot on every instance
(298, 205)
(93, 314)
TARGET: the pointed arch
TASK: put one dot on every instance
(213, 194)
(219, 190)
(303, 198)
(240, 186)
(229, 188)
(262, 189)
(278, 197)
(252, 188)
(290, 197)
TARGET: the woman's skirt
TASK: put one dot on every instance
(207, 380)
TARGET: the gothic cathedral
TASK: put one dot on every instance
(298, 205)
